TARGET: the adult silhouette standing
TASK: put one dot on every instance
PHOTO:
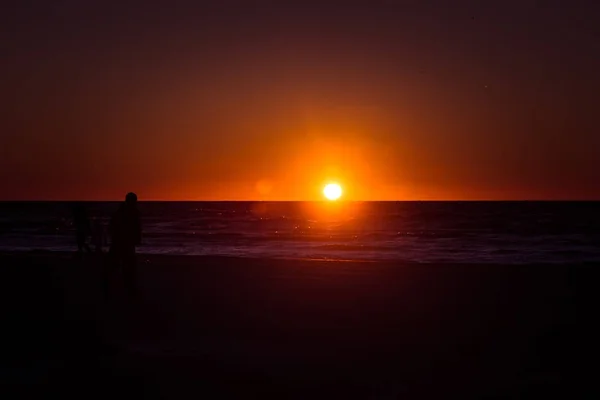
(125, 232)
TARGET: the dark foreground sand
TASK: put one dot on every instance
(254, 328)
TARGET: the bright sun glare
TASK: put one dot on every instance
(332, 191)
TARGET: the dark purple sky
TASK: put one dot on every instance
(248, 100)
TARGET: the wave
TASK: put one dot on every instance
(350, 247)
(504, 232)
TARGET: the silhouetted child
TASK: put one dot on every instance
(98, 235)
(82, 228)
(125, 234)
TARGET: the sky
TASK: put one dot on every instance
(270, 100)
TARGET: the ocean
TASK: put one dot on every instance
(422, 232)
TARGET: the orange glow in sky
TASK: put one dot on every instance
(395, 101)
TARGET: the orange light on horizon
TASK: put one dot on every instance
(332, 191)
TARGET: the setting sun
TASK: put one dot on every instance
(332, 191)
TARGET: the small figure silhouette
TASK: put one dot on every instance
(98, 235)
(82, 228)
(125, 233)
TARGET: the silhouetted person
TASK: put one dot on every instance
(82, 228)
(98, 235)
(126, 234)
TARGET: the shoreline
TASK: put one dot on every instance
(251, 258)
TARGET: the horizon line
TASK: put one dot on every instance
(297, 201)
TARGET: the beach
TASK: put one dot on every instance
(251, 327)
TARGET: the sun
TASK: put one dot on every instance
(332, 191)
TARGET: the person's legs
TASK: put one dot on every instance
(130, 270)
(80, 242)
(97, 245)
(111, 263)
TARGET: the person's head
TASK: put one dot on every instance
(131, 199)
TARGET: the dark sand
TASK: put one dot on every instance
(254, 328)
